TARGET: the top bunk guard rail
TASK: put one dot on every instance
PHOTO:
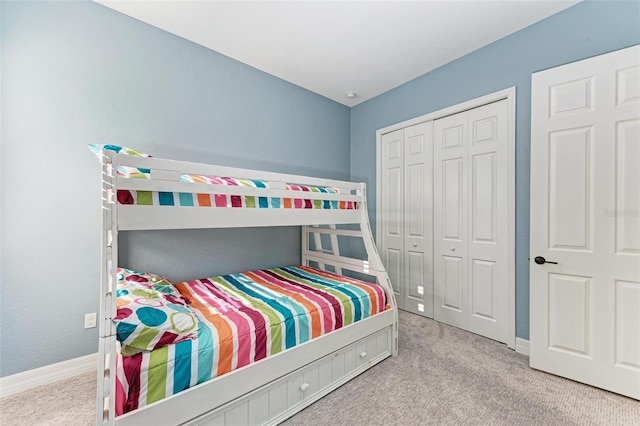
(186, 167)
(205, 188)
(165, 176)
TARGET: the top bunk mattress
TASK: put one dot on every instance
(243, 318)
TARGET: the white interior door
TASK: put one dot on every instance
(585, 204)
(471, 199)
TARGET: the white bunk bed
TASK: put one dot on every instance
(272, 389)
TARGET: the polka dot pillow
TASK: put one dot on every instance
(151, 313)
(147, 280)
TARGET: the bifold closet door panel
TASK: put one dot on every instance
(471, 179)
(392, 214)
(418, 218)
(450, 219)
(487, 222)
(406, 215)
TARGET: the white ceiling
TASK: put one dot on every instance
(335, 47)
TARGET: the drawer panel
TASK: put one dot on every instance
(277, 398)
(310, 382)
(294, 390)
(284, 397)
(338, 364)
(361, 354)
(238, 415)
(325, 373)
(259, 408)
(350, 359)
(215, 421)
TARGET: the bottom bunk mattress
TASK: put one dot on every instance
(243, 318)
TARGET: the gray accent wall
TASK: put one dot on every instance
(587, 29)
(77, 72)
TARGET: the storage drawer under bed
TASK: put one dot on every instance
(280, 399)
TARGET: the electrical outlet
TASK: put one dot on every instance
(90, 320)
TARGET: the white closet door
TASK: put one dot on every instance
(392, 214)
(418, 218)
(450, 220)
(487, 248)
(585, 198)
(471, 250)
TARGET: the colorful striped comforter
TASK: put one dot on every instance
(186, 199)
(245, 317)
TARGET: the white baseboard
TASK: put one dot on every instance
(522, 346)
(26, 380)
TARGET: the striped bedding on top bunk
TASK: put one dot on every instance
(186, 199)
(243, 318)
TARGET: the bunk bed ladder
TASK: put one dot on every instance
(105, 412)
(333, 249)
(331, 256)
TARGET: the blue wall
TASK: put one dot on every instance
(76, 73)
(587, 29)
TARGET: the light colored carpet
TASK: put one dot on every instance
(69, 402)
(447, 376)
(442, 376)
